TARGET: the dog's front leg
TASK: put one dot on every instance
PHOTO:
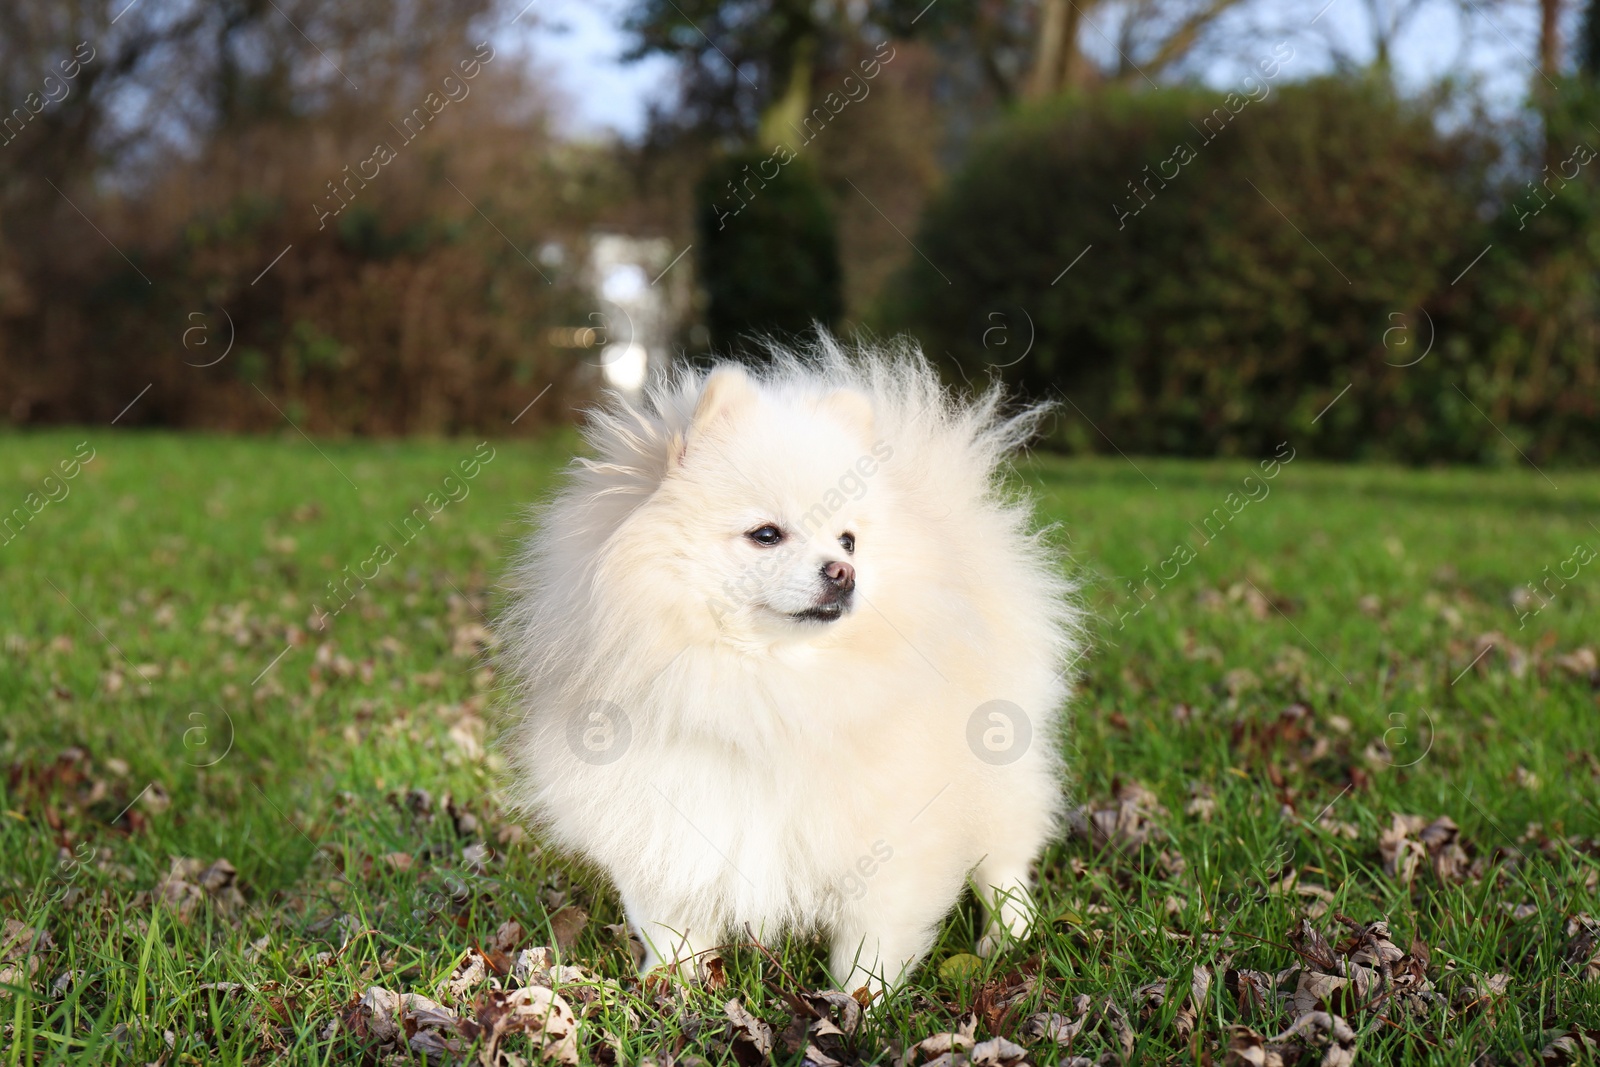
(669, 941)
(878, 940)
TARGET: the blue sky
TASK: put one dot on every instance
(581, 57)
(577, 43)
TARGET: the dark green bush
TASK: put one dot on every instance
(1316, 239)
(768, 254)
(1535, 313)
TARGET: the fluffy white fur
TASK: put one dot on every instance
(731, 766)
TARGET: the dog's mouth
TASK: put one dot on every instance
(821, 612)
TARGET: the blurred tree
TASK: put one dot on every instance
(770, 265)
(1550, 36)
(1589, 41)
(1207, 323)
(1546, 88)
(743, 64)
(767, 257)
(1386, 21)
(1030, 49)
(749, 71)
(169, 155)
(747, 65)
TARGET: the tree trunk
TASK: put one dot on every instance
(1549, 70)
(1055, 54)
(787, 112)
(1043, 78)
(1550, 37)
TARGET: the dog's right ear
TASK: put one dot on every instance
(726, 390)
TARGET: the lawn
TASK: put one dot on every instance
(239, 813)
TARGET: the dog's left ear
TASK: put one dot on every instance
(726, 390)
(853, 409)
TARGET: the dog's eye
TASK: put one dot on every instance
(766, 536)
(848, 541)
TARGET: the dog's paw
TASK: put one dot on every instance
(1006, 927)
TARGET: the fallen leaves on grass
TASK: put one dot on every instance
(71, 787)
(1580, 663)
(1202, 803)
(537, 1011)
(1582, 953)
(941, 1048)
(1411, 840)
(21, 951)
(1317, 1028)
(1124, 823)
(388, 1018)
(821, 1025)
(191, 882)
(1573, 1046)
(1183, 1023)
(566, 924)
(1058, 1027)
(476, 1008)
(752, 1037)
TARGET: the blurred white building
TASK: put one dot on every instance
(640, 287)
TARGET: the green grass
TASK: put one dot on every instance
(1359, 593)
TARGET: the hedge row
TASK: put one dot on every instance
(1205, 275)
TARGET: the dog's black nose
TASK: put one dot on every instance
(840, 575)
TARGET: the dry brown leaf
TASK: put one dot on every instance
(1188, 1016)
(1582, 953)
(1202, 803)
(1247, 1047)
(1401, 855)
(997, 1052)
(1575, 1046)
(471, 971)
(1580, 661)
(1320, 1028)
(1319, 992)
(405, 1018)
(752, 1037)
(1125, 823)
(190, 881)
(507, 937)
(935, 1046)
(1488, 988)
(20, 949)
(840, 1012)
(1312, 947)
(537, 1011)
(566, 924)
(1054, 1026)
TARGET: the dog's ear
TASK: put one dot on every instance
(852, 408)
(726, 390)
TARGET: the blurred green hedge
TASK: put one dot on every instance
(769, 257)
(1238, 261)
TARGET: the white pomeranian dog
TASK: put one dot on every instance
(790, 658)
